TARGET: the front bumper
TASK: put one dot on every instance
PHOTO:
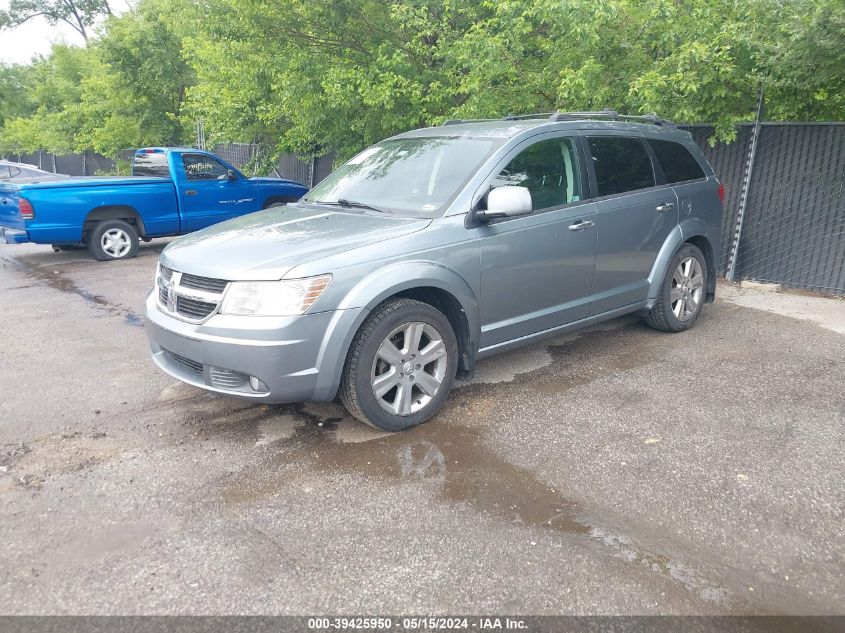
(13, 236)
(295, 359)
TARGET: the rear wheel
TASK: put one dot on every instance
(401, 365)
(682, 293)
(113, 239)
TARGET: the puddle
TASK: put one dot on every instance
(57, 281)
(446, 459)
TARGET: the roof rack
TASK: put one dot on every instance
(575, 116)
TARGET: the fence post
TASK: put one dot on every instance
(311, 172)
(746, 186)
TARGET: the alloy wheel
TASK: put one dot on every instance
(116, 243)
(687, 290)
(409, 368)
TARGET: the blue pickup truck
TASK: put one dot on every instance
(172, 191)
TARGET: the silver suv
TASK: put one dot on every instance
(434, 249)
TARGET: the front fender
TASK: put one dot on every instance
(395, 278)
(369, 292)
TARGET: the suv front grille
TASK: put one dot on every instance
(188, 297)
(193, 308)
(203, 283)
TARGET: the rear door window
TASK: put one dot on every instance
(548, 169)
(621, 164)
(678, 164)
(4, 172)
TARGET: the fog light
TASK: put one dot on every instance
(257, 385)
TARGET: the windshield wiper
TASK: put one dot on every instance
(343, 202)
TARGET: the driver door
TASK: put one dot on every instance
(208, 196)
(536, 270)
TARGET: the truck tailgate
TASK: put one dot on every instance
(9, 214)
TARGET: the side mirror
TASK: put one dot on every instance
(506, 202)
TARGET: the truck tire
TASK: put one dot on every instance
(113, 239)
(682, 293)
(401, 365)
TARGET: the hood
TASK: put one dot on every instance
(267, 244)
(267, 180)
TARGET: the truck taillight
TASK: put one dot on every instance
(722, 193)
(25, 209)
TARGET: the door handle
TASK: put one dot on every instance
(580, 225)
(663, 208)
(190, 192)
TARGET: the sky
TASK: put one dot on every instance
(35, 37)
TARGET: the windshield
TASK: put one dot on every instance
(409, 176)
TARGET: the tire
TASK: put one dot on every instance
(124, 244)
(682, 293)
(420, 388)
(279, 202)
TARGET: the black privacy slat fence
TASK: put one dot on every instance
(792, 230)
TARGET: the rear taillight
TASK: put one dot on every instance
(25, 209)
(722, 193)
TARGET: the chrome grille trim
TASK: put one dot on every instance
(214, 286)
(187, 297)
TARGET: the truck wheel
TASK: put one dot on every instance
(401, 365)
(113, 239)
(682, 293)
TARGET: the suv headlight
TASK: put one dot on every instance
(273, 298)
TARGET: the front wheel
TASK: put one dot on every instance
(401, 365)
(682, 293)
(113, 239)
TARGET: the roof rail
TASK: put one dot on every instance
(611, 114)
(575, 116)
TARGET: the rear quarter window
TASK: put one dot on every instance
(621, 164)
(678, 164)
(152, 164)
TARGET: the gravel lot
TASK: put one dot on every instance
(618, 470)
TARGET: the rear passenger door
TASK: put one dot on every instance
(634, 217)
(683, 171)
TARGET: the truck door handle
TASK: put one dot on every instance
(190, 192)
(580, 225)
(663, 208)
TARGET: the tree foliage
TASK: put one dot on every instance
(319, 75)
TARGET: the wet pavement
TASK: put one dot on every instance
(617, 470)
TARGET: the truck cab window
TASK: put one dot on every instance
(202, 167)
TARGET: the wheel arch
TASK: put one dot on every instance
(114, 212)
(692, 231)
(431, 283)
(704, 245)
(278, 199)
